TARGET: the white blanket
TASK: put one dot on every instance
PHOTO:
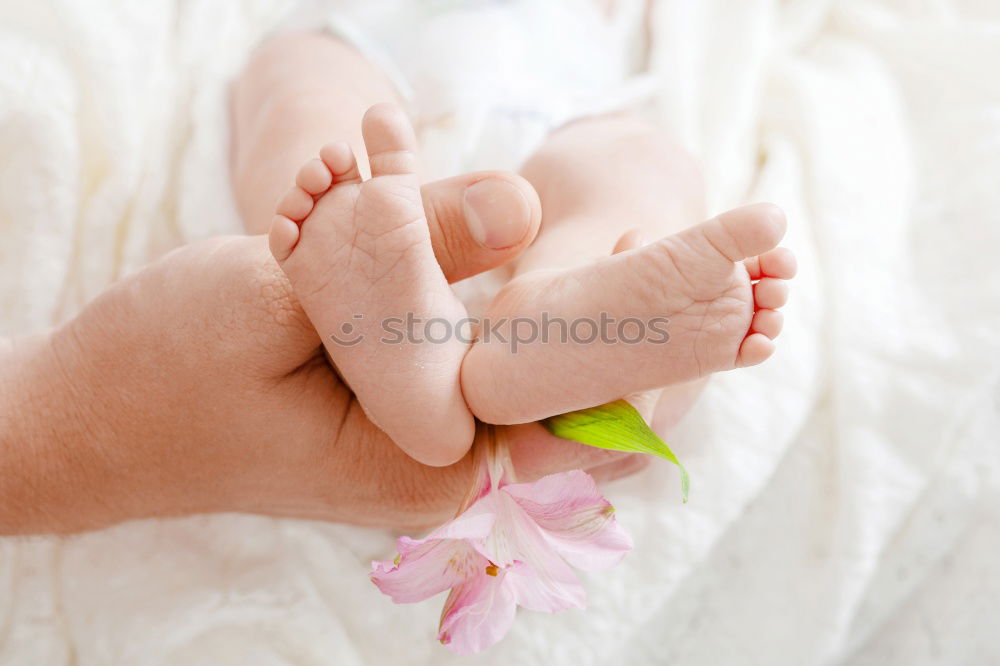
(846, 495)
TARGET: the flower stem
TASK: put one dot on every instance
(491, 463)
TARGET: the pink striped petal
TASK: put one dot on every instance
(477, 613)
(437, 562)
(575, 518)
(424, 569)
(540, 578)
(541, 592)
(473, 523)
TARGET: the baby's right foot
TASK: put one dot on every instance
(717, 287)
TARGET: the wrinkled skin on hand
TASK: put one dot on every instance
(207, 389)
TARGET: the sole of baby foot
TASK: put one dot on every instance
(359, 256)
(698, 302)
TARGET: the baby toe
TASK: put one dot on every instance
(314, 177)
(390, 141)
(767, 322)
(340, 160)
(778, 263)
(296, 204)
(770, 294)
(283, 236)
(745, 232)
(756, 348)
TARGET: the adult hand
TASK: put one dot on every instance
(199, 385)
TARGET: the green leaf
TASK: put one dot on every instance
(616, 426)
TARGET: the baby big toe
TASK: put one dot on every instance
(390, 141)
(744, 232)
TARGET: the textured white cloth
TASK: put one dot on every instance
(846, 495)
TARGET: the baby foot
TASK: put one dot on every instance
(359, 255)
(717, 284)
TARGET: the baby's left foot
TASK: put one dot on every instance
(714, 289)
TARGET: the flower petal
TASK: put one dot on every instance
(425, 568)
(538, 592)
(437, 562)
(478, 613)
(540, 578)
(473, 523)
(575, 518)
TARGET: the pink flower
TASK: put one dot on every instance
(515, 545)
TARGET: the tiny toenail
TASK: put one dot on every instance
(497, 213)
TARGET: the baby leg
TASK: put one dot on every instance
(298, 91)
